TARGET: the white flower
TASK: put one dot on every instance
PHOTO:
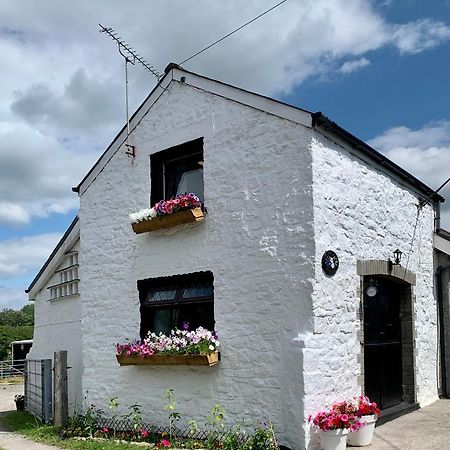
(211, 347)
(143, 214)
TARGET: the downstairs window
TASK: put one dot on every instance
(176, 302)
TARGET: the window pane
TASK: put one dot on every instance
(192, 181)
(198, 291)
(162, 321)
(196, 315)
(155, 295)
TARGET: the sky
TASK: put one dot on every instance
(380, 69)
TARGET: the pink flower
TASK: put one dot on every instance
(344, 418)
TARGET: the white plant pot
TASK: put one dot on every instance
(334, 439)
(364, 435)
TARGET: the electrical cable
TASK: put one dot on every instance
(232, 32)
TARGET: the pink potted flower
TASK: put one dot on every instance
(368, 413)
(335, 424)
(183, 208)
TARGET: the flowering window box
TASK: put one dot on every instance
(181, 347)
(171, 360)
(184, 208)
(186, 216)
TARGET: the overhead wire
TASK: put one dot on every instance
(232, 32)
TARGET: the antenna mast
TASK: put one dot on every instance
(132, 57)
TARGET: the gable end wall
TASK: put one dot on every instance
(256, 239)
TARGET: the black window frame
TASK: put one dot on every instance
(179, 302)
(163, 164)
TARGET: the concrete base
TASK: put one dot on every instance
(396, 411)
(425, 429)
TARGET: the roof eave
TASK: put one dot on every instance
(319, 120)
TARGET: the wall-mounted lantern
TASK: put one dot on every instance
(397, 259)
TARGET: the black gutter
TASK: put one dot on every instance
(55, 250)
(441, 319)
(320, 120)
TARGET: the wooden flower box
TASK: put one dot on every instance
(171, 220)
(170, 360)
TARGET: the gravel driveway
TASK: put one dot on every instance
(13, 441)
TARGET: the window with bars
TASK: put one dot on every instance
(68, 279)
(174, 302)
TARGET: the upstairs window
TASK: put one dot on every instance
(177, 170)
(175, 302)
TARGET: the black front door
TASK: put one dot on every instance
(382, 342)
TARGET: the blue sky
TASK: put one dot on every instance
(380, 69)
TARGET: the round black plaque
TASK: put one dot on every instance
(330, 262)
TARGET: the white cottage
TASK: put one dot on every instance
(292, 265)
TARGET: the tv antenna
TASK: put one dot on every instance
(130, 57)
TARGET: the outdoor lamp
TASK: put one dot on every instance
(397, 257)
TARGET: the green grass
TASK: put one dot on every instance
(12, 380)
(26, 425)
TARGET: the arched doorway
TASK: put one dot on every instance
(388, 334)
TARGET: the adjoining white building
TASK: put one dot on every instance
(57, 314)
(294, 260)
(442, 273)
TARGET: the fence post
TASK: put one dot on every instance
(25, 384)
(46, 384)
(61, 408)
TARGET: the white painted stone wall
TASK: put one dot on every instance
(58, 327)
(257, 240)
(362, 214)
(288, 332)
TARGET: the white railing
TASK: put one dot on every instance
(14, 368)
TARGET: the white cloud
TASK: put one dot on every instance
(13, 213)
(354, 65)
(85, 106)
(25, 255)
(62, 96)
(415, 37)
(14, 298)
(424, 152)
(36, 174)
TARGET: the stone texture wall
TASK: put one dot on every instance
(362, 214)
(58, 327)
(257, 240)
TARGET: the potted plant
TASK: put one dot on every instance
(197, 347)
(183, 208)
(20, 402)
(335, 424)
(368, 413)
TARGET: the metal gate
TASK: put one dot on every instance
(39, 389)
(382, 342)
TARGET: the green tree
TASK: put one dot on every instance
(15, 326)
(9, 334)
(13, 318)
(28, 315)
